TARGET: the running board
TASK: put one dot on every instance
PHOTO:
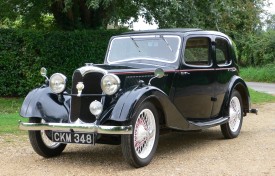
(202, 125)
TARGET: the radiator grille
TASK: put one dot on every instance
(80, 105)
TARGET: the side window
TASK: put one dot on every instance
(197, 51)
(222, 54)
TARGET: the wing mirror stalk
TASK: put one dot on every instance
(43, 72)
(159, 73)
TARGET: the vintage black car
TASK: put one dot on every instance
(179, 79)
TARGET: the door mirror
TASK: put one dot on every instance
(159, 73)
(43, 72)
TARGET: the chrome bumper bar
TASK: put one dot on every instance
(92, 128)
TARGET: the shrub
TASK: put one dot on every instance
(24, 52)
(259, 74)
(258, 49)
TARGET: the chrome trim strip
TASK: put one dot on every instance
(87, 95)
(88, 69)
(88, 127)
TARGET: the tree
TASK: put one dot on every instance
(29, 11)
(92, 13)
(69, 14)
(224, 15)
(239, 16)
(270, 22)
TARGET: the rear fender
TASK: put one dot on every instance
(130, 100)
(42, 103)
(237, 83)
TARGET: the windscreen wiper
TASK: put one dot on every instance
(161, 36)
(135, 43)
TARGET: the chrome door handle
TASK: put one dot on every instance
(184, 73)
(232, 69)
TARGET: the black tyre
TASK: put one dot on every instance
(232, 128)
(41, 141)
(138, 148)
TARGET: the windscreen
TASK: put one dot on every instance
(163, 48)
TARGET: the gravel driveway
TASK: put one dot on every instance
(178, 153)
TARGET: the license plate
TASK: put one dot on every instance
(71, 137)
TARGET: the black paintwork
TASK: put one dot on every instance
(127, 103)
(41, 102)
(187, 97)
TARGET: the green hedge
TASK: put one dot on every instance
(24, 52)
(258, 49)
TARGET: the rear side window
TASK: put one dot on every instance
(197, 51)
(222, 54)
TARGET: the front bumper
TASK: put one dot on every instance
(91, 128)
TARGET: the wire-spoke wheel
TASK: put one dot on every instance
(139, 147)
(145, 133)
(41, 141)
(232, 128)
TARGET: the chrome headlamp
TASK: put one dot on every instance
(110, 84)
(58, 82)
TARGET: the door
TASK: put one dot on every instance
(194, 84)
(225, 70)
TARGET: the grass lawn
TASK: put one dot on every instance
(9, 115)
(9, 111)
(259, 97)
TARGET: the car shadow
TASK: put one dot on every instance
(111, 156)
(175, 141)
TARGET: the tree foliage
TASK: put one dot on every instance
(68, 14)
(259, 49)
(270, 22)
(240, 19)
(29, 11)
(224, 15)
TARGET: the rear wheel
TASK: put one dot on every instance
(138, 148)
(232, 128)
(41, 141)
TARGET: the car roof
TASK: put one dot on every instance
(172, 30)
(177, 31)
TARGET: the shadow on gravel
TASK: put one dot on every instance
(187, 141)
(110, 156)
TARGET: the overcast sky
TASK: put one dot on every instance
(141, 25)
(271, 9)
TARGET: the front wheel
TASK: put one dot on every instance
(41, 141)
(232, 128)
(138, 148)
